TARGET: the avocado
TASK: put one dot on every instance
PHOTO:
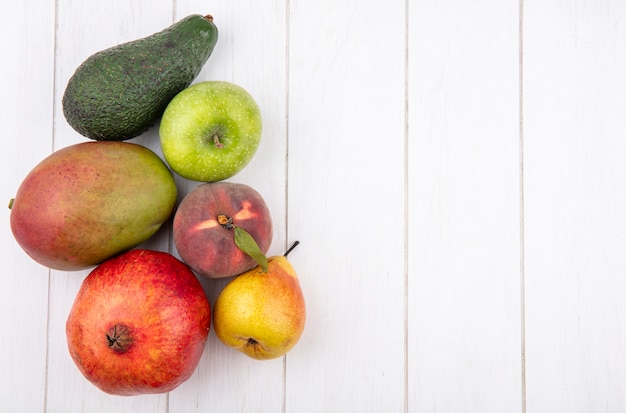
(120, 92)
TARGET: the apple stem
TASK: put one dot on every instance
(294, 245)
(118, 338)
(216, 140)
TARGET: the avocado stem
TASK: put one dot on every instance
(294, 245)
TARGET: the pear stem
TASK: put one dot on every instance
(294, 245)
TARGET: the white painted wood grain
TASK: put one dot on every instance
(251, 52)
(463, 218)
(346, 204)
(391, 150)
(575, 175)
(83, 29)
(27, 82)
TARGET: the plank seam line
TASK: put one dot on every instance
(53, 135)
(406, 206)
(521, 207)
(287, 80)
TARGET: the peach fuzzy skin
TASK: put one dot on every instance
(209, 247)
(262, 314)
(163, 306)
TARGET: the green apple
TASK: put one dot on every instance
(210, 131)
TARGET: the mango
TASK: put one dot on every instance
(90, 201)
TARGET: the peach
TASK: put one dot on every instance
(204, 222)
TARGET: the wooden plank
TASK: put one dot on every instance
(574, 150)
(251, 53)
(27, 85)
(346, 204)
(464, 336)
(83, 29)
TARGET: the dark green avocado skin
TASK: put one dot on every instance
(120, 92)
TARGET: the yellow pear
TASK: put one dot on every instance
(262, 314)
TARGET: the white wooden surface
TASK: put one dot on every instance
(454, 170)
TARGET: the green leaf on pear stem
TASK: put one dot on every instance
(247, 244)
